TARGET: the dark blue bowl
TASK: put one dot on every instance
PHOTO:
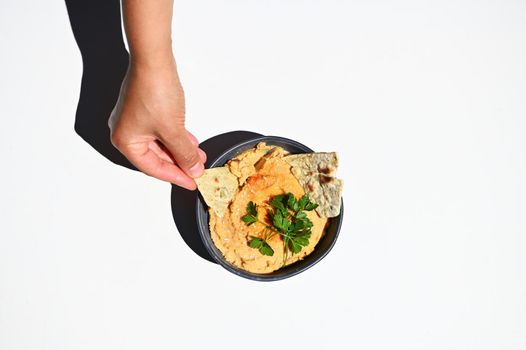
(322, 248)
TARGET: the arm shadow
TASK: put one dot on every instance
(96, 26)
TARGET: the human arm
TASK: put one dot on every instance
(148, 122)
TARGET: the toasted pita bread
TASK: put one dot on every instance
(314, 163)
(218, 186)
(327, 193)
(315, 172)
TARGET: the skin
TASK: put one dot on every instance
(148, 121)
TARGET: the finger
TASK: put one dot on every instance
(160, 150)
(184, 152)
(202, 155)
(147, 161)
(193, 139)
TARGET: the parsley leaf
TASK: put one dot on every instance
(280, 222)
(255, 242)
(266, 249)
(277, 202)
(311, 206)
(303, 201)
(252, 209)
(262, 245)
(293, 203)
(252, 214)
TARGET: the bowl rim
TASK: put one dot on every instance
(204, 232)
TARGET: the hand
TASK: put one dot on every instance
(148, 125)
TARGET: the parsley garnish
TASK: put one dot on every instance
(289, 219)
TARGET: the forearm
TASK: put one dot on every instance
(148, 25)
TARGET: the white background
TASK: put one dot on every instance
(426, 104)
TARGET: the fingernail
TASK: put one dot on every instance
(197, 170)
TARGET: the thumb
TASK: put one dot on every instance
(184, 152)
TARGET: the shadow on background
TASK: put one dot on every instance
(97, 29)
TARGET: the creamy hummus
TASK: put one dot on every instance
(262, 174)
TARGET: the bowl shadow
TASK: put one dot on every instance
(183, 201)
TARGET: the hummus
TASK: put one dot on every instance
(262, 173)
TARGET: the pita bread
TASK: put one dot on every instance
(326, 194)
(315, 172)
(314, 163)
(217, 186)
